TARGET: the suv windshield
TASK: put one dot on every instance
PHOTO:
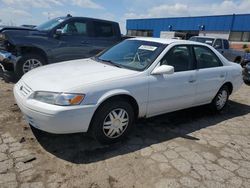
(208, 41)
(132, 54)
(50, 24)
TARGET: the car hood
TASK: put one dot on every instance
(16, 28)
(66, 76)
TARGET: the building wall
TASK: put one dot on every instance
(222, 23)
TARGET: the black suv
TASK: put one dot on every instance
(60, 39)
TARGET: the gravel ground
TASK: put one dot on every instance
(189, 148)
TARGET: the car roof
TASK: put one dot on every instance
(166, 41)
(207, 37)
(88, 18)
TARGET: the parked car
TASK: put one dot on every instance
(60, 39)
(137, 78)
(222, 45)
(246, 71)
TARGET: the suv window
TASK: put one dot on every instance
(103, 29)
(179, 57)
(206, 58)
(218, 44)
(75, 27)
(226, 44)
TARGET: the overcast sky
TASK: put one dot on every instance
(19, 12)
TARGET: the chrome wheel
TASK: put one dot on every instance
(31, 64)
(115, 123)
(221, 99)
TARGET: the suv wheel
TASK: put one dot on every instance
(220, 100)
(29, 62)
(112, 122)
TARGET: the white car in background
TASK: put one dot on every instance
(137, 78)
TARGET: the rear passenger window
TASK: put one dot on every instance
(75, 28)
(206, 58)
(103, 29)
(179, 57)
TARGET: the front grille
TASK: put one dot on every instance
(23, 89)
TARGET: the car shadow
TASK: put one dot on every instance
(8, 77)
(80, 149)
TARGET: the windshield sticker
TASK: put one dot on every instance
(209, 41)
(146, 47)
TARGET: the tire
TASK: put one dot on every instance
(35, 60)
(221, 99)
(122, 125)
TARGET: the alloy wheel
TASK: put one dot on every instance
(31, 64)
(221, 99)
(115, 123)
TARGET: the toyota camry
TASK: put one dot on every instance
(137, 78)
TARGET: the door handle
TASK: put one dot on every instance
(84, 42)
(192, 81)
(222, 76)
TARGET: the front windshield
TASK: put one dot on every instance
(133, 54)
(50, 24)
(208, 41)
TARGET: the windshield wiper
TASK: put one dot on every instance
(109, 62)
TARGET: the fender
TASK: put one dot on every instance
(142, 107)
(113, 93)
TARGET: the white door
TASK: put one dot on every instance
(176, 91)
(210, 74)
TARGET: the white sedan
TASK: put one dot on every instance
(137, 78)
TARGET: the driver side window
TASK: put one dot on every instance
(75, 28)
(218, 44)
(179, 57)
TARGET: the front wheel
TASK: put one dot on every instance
(29, 62)
(220, 100)
(112, 122)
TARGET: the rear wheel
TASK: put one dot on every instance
(221, 99)
(29, 62)
(112, 122)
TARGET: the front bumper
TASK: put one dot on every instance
(52, 118)
(7, 60)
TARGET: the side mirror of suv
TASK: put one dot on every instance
(217, 47)
(58, 31)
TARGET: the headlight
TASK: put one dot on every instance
(62, 99)
(2, 36)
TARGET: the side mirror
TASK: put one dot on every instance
(163, 69)
(59, 31)
(217, 47)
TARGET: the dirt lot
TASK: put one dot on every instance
(190, 148)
